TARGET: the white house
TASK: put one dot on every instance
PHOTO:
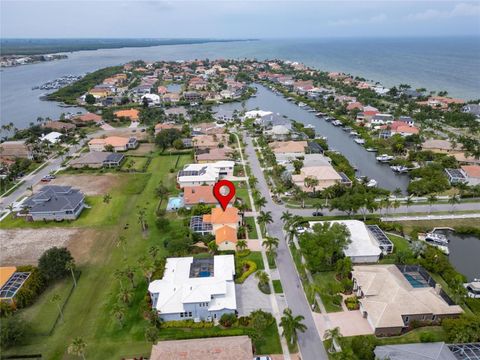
(204, 174)
(52, 137)
(197, 289)
(153, 99)
(257, 114)
(363, 247)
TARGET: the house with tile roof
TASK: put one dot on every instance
(119, 143)
(194, 195)
(196, 289)
(132, 114)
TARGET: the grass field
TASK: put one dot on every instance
(137, 163)
(88, 311)
(277, 286)
(256, 257)
(252, 232)
(324, 281)
(241, 192)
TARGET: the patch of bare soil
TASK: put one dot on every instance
(88, 184)
(143, 149)
(25, 246)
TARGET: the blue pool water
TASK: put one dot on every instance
(415, 282)
(174, 203)
(204, 274)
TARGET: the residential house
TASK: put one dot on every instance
(428, 351)
(165, 126)
(398, 127)
(177, 112)
(224, 115)
(257, 114)
(210, 141)
(196, 289)
(194, 195)
(11, 281)
(55, 203)
(204, 174)
(171, 98)
(295, 149)
(326, 176)
(15, 149)
(97, 159)
(118, 143)
(225, 224)
(392, 296)
(456, 176)
(193, 96)
(151, 99)
(212, 154)
(59, 125)
(279, 132)
(473, 109)
(52, 137)
(472, 174)
(230, 347)
(88, 117)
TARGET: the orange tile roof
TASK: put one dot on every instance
(111, 140)
(132, 114)
(472, 170)
(226, 233)
(198, 194)
(89, 117)
(218, 216)
(5, 273)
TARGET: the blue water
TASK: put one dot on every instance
(450, 63)
(174, 203)
(204, 274)
(414, 282)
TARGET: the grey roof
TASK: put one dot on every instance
(53, 198)
(472, 109)
(114, 157)
(93, 157)
(421, 351)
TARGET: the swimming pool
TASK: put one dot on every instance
(175, 203)
(417, 281)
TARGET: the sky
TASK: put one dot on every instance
(236, 19)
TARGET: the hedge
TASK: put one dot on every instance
(186, 324)
(252, 267)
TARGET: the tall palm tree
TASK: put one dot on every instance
(453, 200)
(212, 247)
(291, 325)
(335, 335)
(286, 218)
(408, 203)
(431, 199)
(241, 245)
(262, 278)
(260, 203)
(122, 240)
(118, 312)
(291, 233)
(271, 243)
(310, 182)
(77, 347)
(70, 265)
(56, 300)
(126, 296)
(265, 218)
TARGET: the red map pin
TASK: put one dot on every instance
(224, 199)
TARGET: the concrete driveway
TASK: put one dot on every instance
(351, 323)
(250, 298)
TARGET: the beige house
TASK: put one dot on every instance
(325, 174)
(118, 143)
(392, 296)
(288, 147)
(15, 149)
(441, 146)
(225, 225)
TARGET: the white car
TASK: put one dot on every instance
(301, 229)
(262, 358)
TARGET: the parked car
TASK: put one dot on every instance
(47, 178)
(301, 229)
(317, 213)
(262, 358)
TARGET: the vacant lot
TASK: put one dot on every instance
(88, 184)
(143, 149)
(25, 246)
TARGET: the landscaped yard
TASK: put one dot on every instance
(324, 282)
(241, 192)
(134, 163)
(277, 286)
(256, 257)
(252, 230)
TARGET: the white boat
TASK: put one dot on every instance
(312, 110)
(359, 141)
(436, 238)
(473, 289)
(353, 133)
(302, 104)
(384, 158)
(309, 126)
(321, 137)
(443, 247)
(371, 183)
(371, 149)
(399, 169)
(320, 114)
(336, 123)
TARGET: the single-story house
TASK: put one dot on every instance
(214, 154)
(132, 114)
(119, 143)
(193, 195)
(326, 176)
(392, 296)
(98, 159)
(59, 125)
(228, 347)
(472, 173)
(290, 147)
(15, 149)
(279, 132)
(224, 115)
(226, 238)
(54, 202)
(192, 288)
(428, 351)
(441, 146)
(52, 137)
(177, 112)
(204, 174)
(88, 117)
(164, 126)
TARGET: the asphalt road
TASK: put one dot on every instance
(311, 346)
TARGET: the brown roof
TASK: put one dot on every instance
(218, 216)
(472, 171)
(288, 146)
(59, 125)
(5, 273)
(89, 117)
(111, 140)
(15, 149)
(225, 348)
(198, 194)
(215, 154)
(226, 233)
(132, 114)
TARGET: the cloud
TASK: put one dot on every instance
(460, 10)
(356, 21)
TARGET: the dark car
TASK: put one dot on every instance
(317, 213)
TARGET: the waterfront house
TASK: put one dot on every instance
(97, 159)
(293, 148)
(326, 176)
(229, 347)
(392, 297)
(177, 112)
(55, 203)
(472, 174)
(473, 109)
(88, 117)
(204, 174)
(196, 289)
(165, 126)
(15, 149)
(59, 126)
(428, 351)
(52, 137)
(118, 143)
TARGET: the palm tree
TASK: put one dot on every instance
(122, 240)
(310, 182)
(265, 218)
(130, 274)
(291, 325)
(213, 247)
(408, 203)
(271, 243)
(328, 193)
(241, 245)
(119, 274)
(70, 265)
(77, 347)
(397, 192)
(118, 311)
(262, 278)
(335, 335)
(286, 218)
(141, 213)
(106, 198)
(153, 252)
(431, 199)
(125, 296)
(56, 300)
(291, 233)
(453, 200)
(260, 203)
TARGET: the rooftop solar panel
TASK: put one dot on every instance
(11, 287)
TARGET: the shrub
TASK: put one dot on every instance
(352, 303)
(427, 337)
(13, 331)
(186, 324)
(228, 320)
(251, 268)
(53, 263)
(31, 289)
(244, 320)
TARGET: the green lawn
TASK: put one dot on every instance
(256, 256)
(252, 232)
(277, 286)
(324, 281)
(138, 162)
(241, 192)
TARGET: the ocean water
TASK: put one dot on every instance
(450, 63)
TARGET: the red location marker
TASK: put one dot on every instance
(221, 197)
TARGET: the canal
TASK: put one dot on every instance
(337, 138)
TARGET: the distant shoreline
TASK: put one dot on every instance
(19, 47)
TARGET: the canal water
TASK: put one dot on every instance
(337, 138)
(464, 253)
